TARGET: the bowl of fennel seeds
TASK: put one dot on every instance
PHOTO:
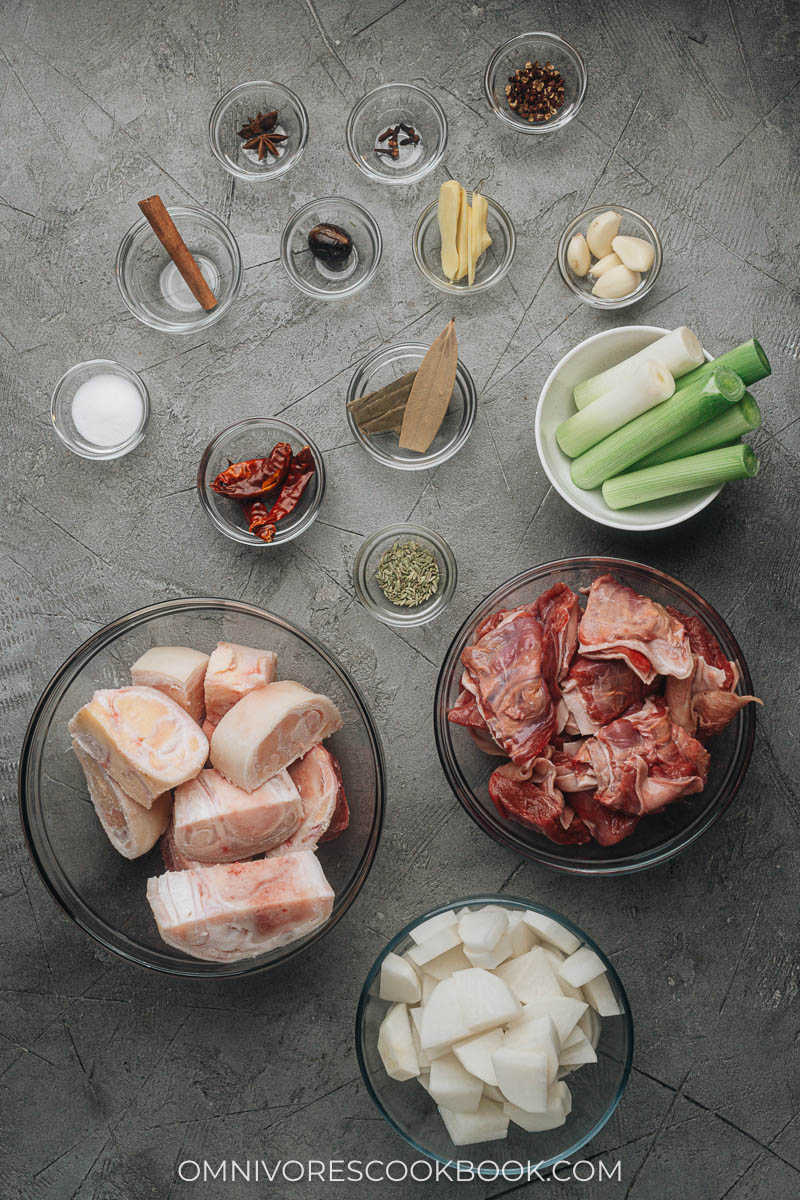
(405, 575)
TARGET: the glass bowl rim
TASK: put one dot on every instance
(104, 453)
(558, 122)
(440, 599)
(427, 460)
(512, 902)
(207, 318)
(322, 293)
(242, 536)
(291, 157)
(424, 220)
(69, 671)
(599, 301)
(429, 164)
(643, 860)
(610, 520)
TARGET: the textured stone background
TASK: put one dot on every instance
(110, 1075)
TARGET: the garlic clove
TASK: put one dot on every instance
(601, 231)
(636, 253)
(578, 256)
(604, 264)
(616, 283)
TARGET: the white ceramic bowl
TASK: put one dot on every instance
(555, 405)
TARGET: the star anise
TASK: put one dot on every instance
(265, 142)
(261, 123)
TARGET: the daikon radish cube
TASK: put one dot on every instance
(523, 938)
(581, 967)
(447, 964)
(427, 929)
(475, 1054)
(489, 959)
(443, 1021)
(564, 1012)
(522, 1077)
(488, 1124)
(453, 1087)
(575, 1038)
(530, 976)
(556, 958)
(600, 994)
(428, 984)
(485, 1000)
(396, 1045)
(569, 991)
(399, 981)
(423, 1058)
(538, 1034)
(432, 947)
(589, 1025)
(552, 932)
(493, 1093)
(559, 1105)
(424, 1078)
(482, 929)
(578, 1054)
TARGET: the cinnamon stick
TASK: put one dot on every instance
(167, 233)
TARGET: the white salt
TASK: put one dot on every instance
(107, 410)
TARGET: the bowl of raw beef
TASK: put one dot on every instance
(595, 715)
(202, 788)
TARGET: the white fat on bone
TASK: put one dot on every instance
(238, 910)
(233, 672)
(581, 967)
(453, 1087)
(179, 672)
(142, 739)
(396, 1045)
(314, 775)
(268, 730)
(131, 828)
(214, 821)
(488, 1124)
(399, 981)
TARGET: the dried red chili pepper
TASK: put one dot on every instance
(261, 522)
(257, 476)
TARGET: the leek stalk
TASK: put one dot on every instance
(682, 475)
(748, 361)
(723, 430)
(678, 352)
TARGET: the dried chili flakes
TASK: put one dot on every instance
(255, 477)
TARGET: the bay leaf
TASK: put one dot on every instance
(431, 392)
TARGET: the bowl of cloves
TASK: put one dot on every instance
(258, 130)
(397, 133)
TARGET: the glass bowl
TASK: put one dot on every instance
(387, 106)
(632, 225)
(99, 889)
(254, 438)
(242, 104)
(312, 276)
(491, 267)
(596, 1088)
(149, 281)
(369, 593)
(588, 358)
(61, 409)
(391, 362)
(528, 47)
(657, 837)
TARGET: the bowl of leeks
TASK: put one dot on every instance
(577, 376)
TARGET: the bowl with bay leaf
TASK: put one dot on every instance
(413, 406)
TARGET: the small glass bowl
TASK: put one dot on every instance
(311, 275)
(596, 1088)
(146, 274)
(254, 438)
(390, 362)
(386, 106)
(61, 409)
(530, 47)
(242, 104)
(366, 564)
(632, 225)
(490, 268)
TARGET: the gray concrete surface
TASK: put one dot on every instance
(111, 1076)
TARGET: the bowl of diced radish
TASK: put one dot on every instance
(494, 1032)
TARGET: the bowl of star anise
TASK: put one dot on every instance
(258, 130)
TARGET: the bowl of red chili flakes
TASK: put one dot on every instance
(261, 482)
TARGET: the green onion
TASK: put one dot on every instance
(687, 409)
(682, 475)
(748, 360)
(728, 427)
(678, 351)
